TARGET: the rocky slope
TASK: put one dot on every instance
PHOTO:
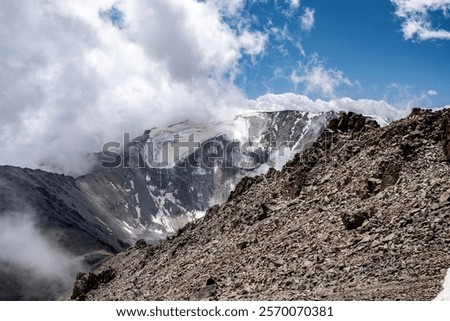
(92, 217)
(362, 214)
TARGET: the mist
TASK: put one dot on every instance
(32, 267)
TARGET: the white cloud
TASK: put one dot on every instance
(72, 80)
(307, 19)
(283, 36)
(406, 97)
(253, 43)
(316, 78)
(417, 23)
(294, 4)
(287, 7)
(228, 7)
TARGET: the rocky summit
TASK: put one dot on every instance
(363, 214)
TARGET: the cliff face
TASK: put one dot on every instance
(363, 214)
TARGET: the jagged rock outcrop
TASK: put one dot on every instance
(350, 218)
(86, 282)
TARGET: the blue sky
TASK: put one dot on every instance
(363, 39)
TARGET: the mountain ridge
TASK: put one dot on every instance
(362, 214)
(94, 216)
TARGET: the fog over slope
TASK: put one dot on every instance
(29, 260)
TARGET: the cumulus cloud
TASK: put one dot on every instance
(307, 19)
(416, 16)
(316, 78)
(75, 75)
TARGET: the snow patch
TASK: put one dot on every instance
(156, 219)
(137, 197)
(138, 210)
(127, 228)
(167, 224)
(113, 186)
(101, 221)
(198, 214)
(444, 295)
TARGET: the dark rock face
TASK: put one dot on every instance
(208, 292)
(446, 149)
(350, 218)
(244, 185)
(350, 121)
(354, 221)
(86, 282)
(390, 173)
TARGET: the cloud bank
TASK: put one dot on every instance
(75, 74)
(290, 101)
